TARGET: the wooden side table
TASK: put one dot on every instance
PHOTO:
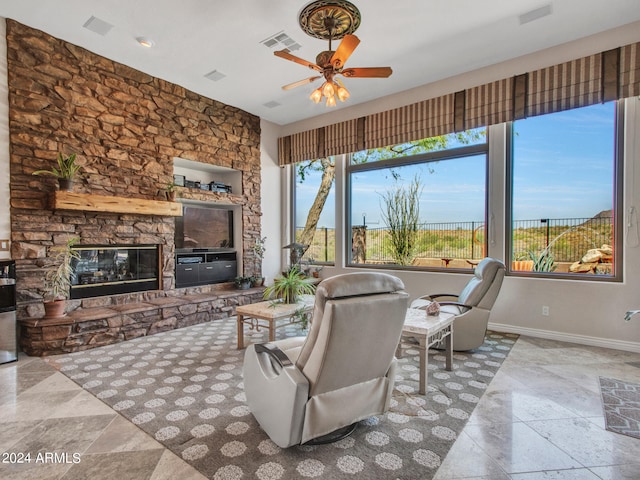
(269, 312)
(428, 330)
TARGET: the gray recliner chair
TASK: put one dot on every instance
(472, 306)
(302, 388)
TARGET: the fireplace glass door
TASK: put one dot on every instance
(109, 270)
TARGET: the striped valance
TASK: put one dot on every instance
(418, 120)
(569, 85)
(585, 81)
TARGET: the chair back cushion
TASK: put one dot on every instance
(356, 326)
(482, 290)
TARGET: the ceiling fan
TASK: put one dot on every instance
(331, 20)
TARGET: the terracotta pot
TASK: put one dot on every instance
(54, 309)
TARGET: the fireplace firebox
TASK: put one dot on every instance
(115, 269)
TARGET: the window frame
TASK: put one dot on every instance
(618, 207)
(421, 158)
(293, 189)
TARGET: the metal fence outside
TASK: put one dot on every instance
(568, 239)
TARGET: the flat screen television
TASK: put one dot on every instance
(204, 228)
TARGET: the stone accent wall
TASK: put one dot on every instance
(126, 127)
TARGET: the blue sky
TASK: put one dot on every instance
(563, 170)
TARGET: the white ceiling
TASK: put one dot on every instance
(421, 40)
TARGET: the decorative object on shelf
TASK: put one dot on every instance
(58, 278)
(331, 20)
(171, 191)
(243, 283)
(290, 286)
(179, 180)
(295, 256)
(257, 281)
(65, 172)
(316, 271)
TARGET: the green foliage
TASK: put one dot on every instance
(290, 286)
(59, 270)
(416, 147)
(243, 282)
(67, 168)
(543, 261)
(259, 247)
(401, 213)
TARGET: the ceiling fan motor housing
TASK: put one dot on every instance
(329, 19)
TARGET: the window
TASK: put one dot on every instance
(422, 210)
(314, 209)
(565, 183)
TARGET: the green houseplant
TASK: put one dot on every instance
(243, 283)
(65, 172)
(57, 279)
(258, 250)
(290, 286)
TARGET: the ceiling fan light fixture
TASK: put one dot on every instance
(343, 94)
(316, 95)
(328, 90)
(331, 101)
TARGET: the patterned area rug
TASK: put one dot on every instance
(621, 402)
(184, 388)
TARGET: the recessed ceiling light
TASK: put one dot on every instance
(145, 42)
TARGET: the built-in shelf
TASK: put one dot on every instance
(85, 202)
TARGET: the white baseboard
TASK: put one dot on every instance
(567, 337)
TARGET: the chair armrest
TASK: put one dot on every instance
(433, 296)
(274, 352)
(457, 304)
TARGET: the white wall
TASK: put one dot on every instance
(271, 200)
(5, 222)
(579, 311)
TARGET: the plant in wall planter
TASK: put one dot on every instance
(57, 278)
(290, 286)
(65, 172)
(243, 283)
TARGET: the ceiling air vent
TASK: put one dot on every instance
(535, 14)
(97, 26)
(215, 75)
(280, 41)
(271, 104)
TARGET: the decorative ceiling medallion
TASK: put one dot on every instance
(329, 19)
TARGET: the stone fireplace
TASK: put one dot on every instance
(126, 128)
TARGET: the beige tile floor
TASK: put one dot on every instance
(541, 418)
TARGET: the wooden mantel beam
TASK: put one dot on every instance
(85, 202)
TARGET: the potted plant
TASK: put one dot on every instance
(65, 172)
(58, 278)
(171, 191)
(243, 283)
(258, 250)
(290, 286)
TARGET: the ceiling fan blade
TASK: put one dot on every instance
(287, 56)
(300, 82)
(344, 51)
(368, 72)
